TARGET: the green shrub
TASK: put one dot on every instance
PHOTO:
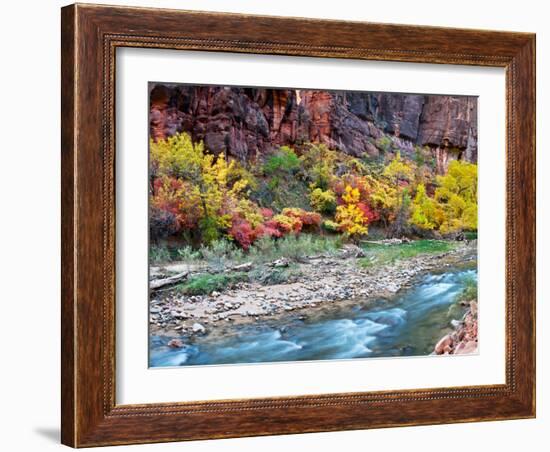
(278, 192)
(209, 229)
(301, 246)
(379, 254)
(385, 144)
(293, 247)
(263, 250)
(269, 276)
(470, 289)
(187, 254)
(219, 254)
(330, 226)
(159, 254)
(205, 284)
(284, 160)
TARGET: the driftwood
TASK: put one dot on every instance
(159, 283)
(387, 241)
(246, 267)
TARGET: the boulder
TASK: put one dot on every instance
(176, 343)
(466, 348)
(198, 328)
(444, 344)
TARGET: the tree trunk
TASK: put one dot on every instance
(158, 283)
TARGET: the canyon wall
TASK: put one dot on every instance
(246, 122)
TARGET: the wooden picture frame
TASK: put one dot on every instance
(90, 36)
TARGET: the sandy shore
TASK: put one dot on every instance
(324, 282)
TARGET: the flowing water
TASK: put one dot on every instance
(410, 324)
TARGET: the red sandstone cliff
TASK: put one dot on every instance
(244, 122)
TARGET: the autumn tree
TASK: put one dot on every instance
(323, 201)
(456, 195)
(213, 182)
(388, 195)
(424, 210)
(350, 217)
(398, 170)
(318, 166)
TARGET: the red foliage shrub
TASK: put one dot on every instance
(245, 235)
(242, 232)
(266, 213)
(271, 228)
(305, 217)
(368, 212)
(287, 224)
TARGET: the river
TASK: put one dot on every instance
(408, 325)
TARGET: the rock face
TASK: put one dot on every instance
(245, 122)
(464, 340)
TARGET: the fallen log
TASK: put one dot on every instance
(387, 241)
(156, 284)
(246, 267)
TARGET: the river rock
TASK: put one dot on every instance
(456, 323)
(175, 343)
(445, 342)
(466, 348)
(280, 263)
(198, 328)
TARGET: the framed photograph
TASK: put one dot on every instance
(281, 225)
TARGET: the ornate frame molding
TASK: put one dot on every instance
(90, 37)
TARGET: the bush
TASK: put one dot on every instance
(219, 254)
(305, 217)
(269, 276)
(205, 284)
(331, 226)
(263, 250)
(351, 218)
(280, 192)
(286, 224)
(388, 254)
(242, 232)
(385, 144)
(283, 161)
(186, 253)
(209, 229)
(299, 247)
(162, 223)
(159, 254)
(470, 289)
(323, 201)
(292, 247)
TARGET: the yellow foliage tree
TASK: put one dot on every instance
(399, 170)
(424, 210)
(456, 195)
(384, 198)
(215, 182)
(350, 218)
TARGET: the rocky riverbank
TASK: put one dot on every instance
(323, 282)
(463, 340)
